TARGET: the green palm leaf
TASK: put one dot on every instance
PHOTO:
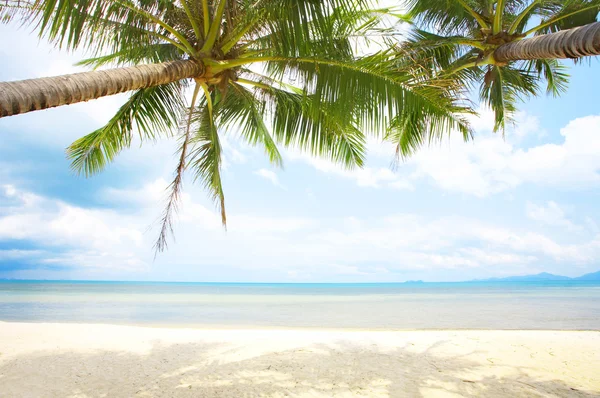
(240, 108)
(151, 53)
(298, 122)
(279, 73)
(456, 39)
(206, 157)
(152, 111)
(553, 72)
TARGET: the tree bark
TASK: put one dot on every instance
(571, 43)
(48, 92)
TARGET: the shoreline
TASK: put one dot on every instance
(219, 327)
(88, 360)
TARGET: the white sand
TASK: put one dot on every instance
(72, 360)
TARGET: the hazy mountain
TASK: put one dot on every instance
(594, 276)
(544, 276)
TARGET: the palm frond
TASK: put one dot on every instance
(449, 17)
(292, 73)
(297, 122)
(99, 25)
(152, 111)
(503, 88)
(152, 53)
(553, 72)
(377, 87)
(240, 108)
(206, 157)
(176, 185)
(462, 51)
(11, 9)
(566, 14)
(309, 28)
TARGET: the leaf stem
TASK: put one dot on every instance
(211, 38)
(192, 19)
(232, 41)
(158, 21)
(500, 5)
(206, 13)
(515, 25)
(161, 242)
(554, 20)
(474, 14)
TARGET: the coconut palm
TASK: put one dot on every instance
(507, 48)
(274, 72)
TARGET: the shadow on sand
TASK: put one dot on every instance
(193, 370)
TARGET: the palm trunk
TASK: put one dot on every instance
(48, 92)
(571, 43)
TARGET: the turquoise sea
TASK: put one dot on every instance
(470, 305)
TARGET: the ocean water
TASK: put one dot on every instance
(473, 305)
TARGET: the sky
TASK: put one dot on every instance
(497, 206)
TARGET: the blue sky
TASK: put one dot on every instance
(492, 207)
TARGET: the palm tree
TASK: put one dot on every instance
(273, 71)
(507, 48)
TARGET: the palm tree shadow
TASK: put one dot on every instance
(199, 370)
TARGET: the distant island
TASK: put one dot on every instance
(544, 276)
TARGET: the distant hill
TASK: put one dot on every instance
(544, 276)
(594, 276)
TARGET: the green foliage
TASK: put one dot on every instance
(206, 157)
(468, 31)
(301, 122)
(151, 111)
(240, 109)
(10, 9)
(277, 73)
(152, 53)
(564, 14)
(502, 88)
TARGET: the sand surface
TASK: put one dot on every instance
(74, 360)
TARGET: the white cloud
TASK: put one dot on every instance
(270, 176)
(550, 214)
(266, 225)
(478, 168)
(592, 226)
(472, 168)
(490, 165)
(380, 148)
(149, 200)
(524, 125)
(232, 152)
(148, 194)
(91, 233)
(151, 197)
(94, 259)
(14, 254)
(295, 247)
(367, 177)
(480, 256)
(417, 242)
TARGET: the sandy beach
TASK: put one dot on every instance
(78, 360)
